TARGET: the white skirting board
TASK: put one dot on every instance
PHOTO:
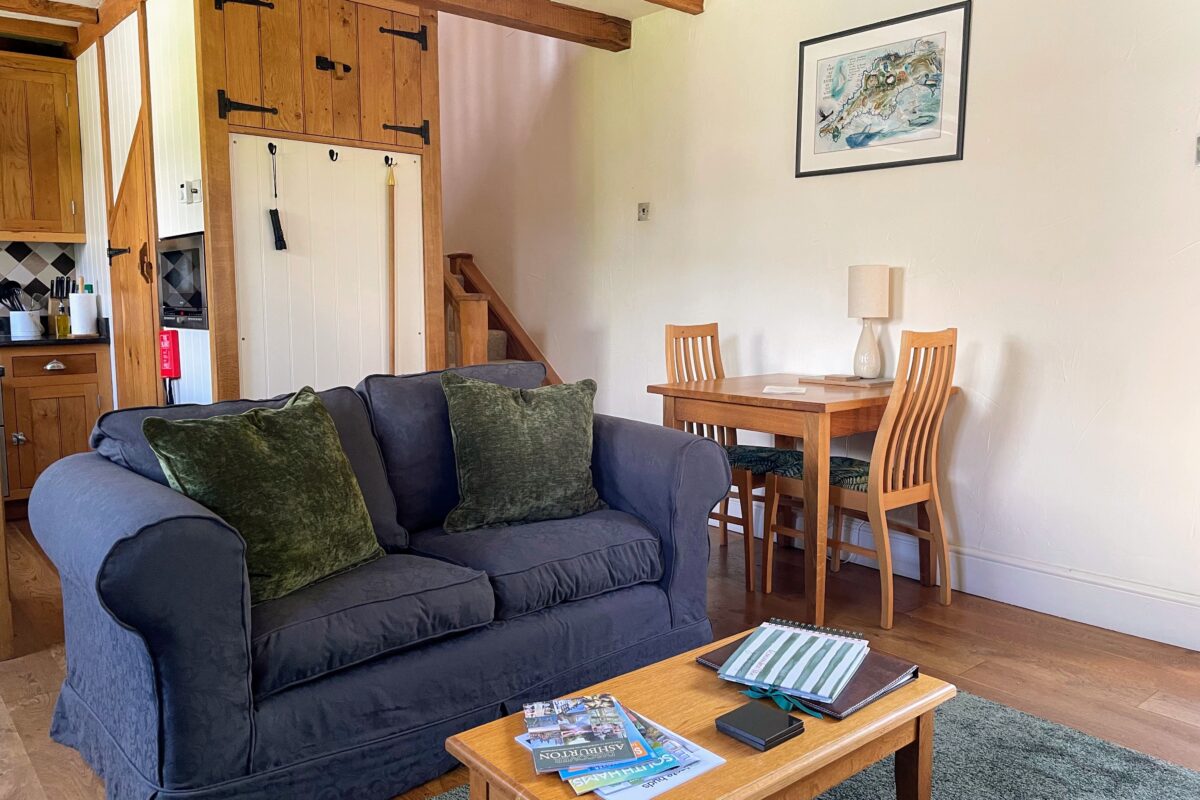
(1100, 600)
(315, 314)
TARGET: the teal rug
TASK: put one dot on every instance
(987, 751)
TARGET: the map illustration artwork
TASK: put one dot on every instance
(883, 95)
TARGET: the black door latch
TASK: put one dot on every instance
(329, 65)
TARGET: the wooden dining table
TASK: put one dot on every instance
(816, 417)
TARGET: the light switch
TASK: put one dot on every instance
(195, 191)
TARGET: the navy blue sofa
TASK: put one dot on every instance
(177, 687)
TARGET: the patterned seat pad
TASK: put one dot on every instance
(848, 473)
(761, 460)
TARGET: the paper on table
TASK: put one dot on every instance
(785, 390)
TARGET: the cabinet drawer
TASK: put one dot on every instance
(37, 366)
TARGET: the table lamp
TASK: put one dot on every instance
(868, 299)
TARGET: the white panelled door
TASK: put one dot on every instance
(315, 314)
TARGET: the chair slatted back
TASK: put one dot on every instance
(905, 452)
(694, 354)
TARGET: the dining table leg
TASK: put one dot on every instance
(816, 513)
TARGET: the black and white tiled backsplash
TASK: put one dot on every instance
(35, 265)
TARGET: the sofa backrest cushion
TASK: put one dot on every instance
(412, 424)
(118, 437)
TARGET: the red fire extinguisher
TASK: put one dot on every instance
(168, 362)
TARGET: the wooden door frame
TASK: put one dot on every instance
(218, 203)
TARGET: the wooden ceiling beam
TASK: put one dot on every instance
(689, 6)
(39, 31)
(52, 9)
(547, 18)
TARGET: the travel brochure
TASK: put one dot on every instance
(597, 745)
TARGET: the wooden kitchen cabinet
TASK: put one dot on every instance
(41, 172)
(326, 68)
(53, 396)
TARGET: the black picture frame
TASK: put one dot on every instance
(957, 155)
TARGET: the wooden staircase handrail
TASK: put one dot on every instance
(499, 312)
(471, 312)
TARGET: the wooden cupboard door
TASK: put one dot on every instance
(56, 422)
(134, 288)
(406, 53)
(343, 49)
(38, 173)
(279, 35)
(391, 75)
(317, 85)
(243, 61)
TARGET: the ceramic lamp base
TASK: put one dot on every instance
(867, 361)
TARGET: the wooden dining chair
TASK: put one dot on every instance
(903, 470)
(694, 354)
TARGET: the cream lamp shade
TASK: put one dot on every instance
(869, 291)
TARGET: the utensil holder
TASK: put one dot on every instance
(25, 324)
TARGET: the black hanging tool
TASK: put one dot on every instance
(276, 224)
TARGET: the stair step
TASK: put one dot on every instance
(497, 346)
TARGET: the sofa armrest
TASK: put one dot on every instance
(671, 480)
(157, 610)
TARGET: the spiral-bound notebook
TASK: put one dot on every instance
(800, 659)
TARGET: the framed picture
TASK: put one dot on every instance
(891, 94)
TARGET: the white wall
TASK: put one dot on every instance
(175, 113)
(92, 263)
(1065, 248)
(315, 314)
(123, 70)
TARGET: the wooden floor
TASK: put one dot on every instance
(1137, 693)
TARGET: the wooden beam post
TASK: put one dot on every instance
(549, 19)
(52, 9)
(41, 31)
(218, 204)
(688, 6)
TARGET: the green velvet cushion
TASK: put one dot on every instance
(281, 478)
(522, 455)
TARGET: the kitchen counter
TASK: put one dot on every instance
(50, 341)
(46, 341)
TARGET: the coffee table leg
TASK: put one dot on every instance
(914, 763)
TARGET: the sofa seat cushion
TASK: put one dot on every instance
(543, 564)
(392, 603)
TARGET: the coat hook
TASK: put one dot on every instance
(271, 148)
(388, 161)
(333, 154)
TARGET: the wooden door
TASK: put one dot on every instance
(390, 46)
(41, 192)
(133, 279)
(56, 422)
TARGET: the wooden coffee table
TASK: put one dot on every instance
(686, 698)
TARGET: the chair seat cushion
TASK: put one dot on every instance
(543, 564)
(392, 603)
(761, 460)
(848, 473)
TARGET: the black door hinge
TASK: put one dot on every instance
(113, 252)
(421, 130)
(220, 4)
(329, 65)
(421, 36)
(225, 105)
